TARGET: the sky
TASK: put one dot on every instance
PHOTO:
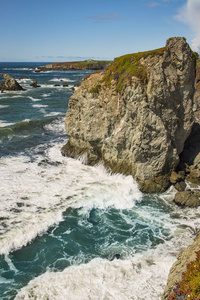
(63, 30)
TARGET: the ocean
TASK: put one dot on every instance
(68, 230)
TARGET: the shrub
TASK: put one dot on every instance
(190, 284)
(96, 89)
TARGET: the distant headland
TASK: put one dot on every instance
(89, 64)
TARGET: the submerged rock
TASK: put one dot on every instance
(10, 84)
(136, 115)
(34, 84)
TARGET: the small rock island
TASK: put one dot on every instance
(10, 84)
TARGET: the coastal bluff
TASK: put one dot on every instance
(136, 115)
(88, 64)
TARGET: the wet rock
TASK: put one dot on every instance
(115, 256)
(34, 84)
(65, 84)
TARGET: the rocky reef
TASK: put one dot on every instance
(136, 115)
(10, 84)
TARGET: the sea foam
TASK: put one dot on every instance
(35, 193)
(142, 276)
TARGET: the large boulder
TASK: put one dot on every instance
(10, 84)
(136, 115)
(187, 198)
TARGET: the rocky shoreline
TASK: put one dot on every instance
(141, 116)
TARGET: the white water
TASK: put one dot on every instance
(140, 277)
(61, 80)
(35, 193)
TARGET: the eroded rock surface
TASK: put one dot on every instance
(141, 128)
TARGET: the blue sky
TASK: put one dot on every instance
(62, 30)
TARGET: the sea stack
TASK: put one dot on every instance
(136, 115)
(10, 84)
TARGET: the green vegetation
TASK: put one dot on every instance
(93, 64)
(195, 55)
(190, 284)
(124, 67)
(95, 90)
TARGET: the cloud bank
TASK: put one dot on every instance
(190, 14)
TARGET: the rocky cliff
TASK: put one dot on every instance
(136, 115)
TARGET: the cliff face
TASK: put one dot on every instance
(136, 115)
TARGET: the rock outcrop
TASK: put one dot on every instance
(34, 84)
(184, 258)
(136, 115)
(10, 84)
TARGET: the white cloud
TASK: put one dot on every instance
(190, 14)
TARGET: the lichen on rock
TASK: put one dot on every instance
(136, 123)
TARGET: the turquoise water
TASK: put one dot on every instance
(71, 231)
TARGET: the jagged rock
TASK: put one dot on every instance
(175, 177)
(34, 84)
(187, 198)
(185, 257)
(136, 124)
(10, 84)
(65, 84)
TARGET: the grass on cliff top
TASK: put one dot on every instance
(124, 67)
(94, 64)
(189, 287)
